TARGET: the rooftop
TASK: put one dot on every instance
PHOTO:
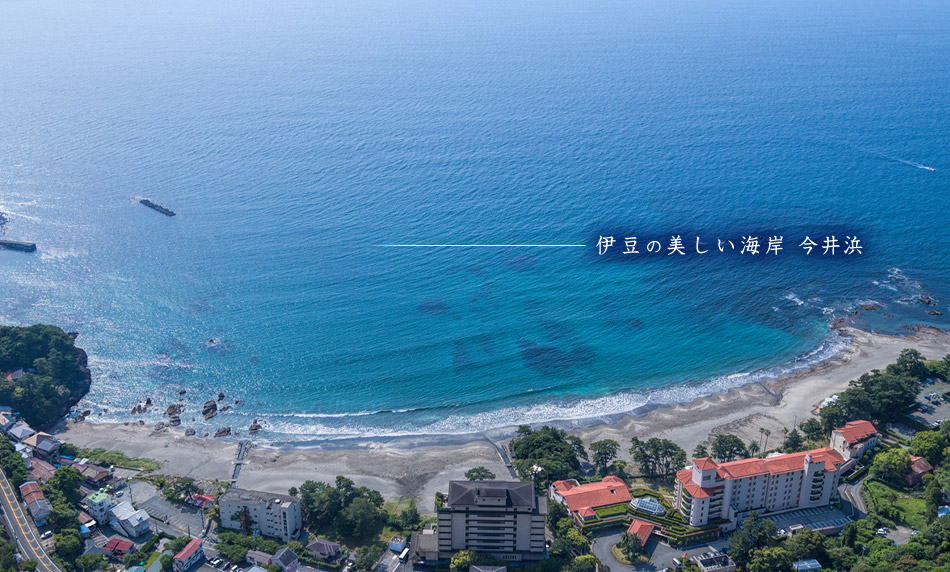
(610, 490)
(853, 431)
(247, 496)
(779, 464)
(189, 550)
(504, 493)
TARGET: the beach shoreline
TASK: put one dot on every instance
(417, 466)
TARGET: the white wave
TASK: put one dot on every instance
(577, 412)
(791, 297)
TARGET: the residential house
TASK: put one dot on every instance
(44, 445)
(270, 514)
(124, 518)
(14, 374)
(806, 565)
(258, 557)
(7, 421)
(854, 439)
(21, 431)
(41, 470)
(919, 467)
(323, 550)
(286, 559)
(35, 502)
(582, 500)
(708, 491)
(502, 519)
(189, 556)
(118, 547)
(98, 505)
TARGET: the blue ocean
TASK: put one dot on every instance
(296, 139)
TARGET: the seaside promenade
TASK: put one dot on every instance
(20, 525)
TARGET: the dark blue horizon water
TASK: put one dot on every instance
(293, 138)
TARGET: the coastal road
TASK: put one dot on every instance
(21, 527)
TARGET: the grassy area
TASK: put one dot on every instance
(611, 510)
(618, 554)
(907, 508)
(119, 459)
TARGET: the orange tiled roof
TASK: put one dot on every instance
(704, 463)
(641, 528)
(779, 464)
(610, 490)
(685, 477)
(856, 430)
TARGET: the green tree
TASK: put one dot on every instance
(930, 445)
(167, 562)
(546, 455)
(793, 441)
(89, 562)
(891, 464)
(657, 457)
(909, 362)
(292, 491)
(630, 545)
(462, 560)
(933, 496)
(68, 545)
(726, 447)
(771, 559)
(479, 474)
(410, 518)
(28, 565)
(700, 451)
(806, 544)
(367, 556)
(361, 518)
(584, 563)
(812, 429)
(603, 452)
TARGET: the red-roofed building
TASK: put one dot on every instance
(191, 554)
(919, 467)
(855, 439)
(642, 529)
(581, 500)
(708, 491)
(118, 547)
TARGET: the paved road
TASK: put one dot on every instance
(20, 525)
(851, 493)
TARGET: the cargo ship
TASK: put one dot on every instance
(159, 208)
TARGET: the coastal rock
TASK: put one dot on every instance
(870, 306)
(174, 409)
(220, 397)
(160, 425)
(223, 432)
(141, 422)
(223, 409)
(86, 412)
(189, 432)
(927, 300)
(237, 401)
(148, 402)
(182, 392)
(254, 428)
(935, 313)
(206, 434)
(209, 410)
(174, 420)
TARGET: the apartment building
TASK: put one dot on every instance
(504, 519)
(271, 514)
(708, 490)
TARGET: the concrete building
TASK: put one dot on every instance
(714, 561)
(124, 518)
(708, 491)
(503, 519)
(270, 514)
(854, 439)
(191, 554)
(98, 505)
(581, 500)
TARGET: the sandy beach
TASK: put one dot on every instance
(403, 468)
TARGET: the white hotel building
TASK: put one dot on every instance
(729, 491)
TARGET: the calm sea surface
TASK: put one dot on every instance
(293, 138)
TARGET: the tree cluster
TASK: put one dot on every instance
(342, 508)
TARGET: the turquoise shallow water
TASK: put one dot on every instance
(292, 138)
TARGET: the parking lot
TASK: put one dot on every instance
(935, 412)
(184, 519)
(813, 518)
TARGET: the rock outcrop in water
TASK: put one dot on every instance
(210, 409)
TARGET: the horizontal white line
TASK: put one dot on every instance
(482, 245)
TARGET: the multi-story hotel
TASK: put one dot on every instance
(708, 491)
(270, 514)
(504, 519)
